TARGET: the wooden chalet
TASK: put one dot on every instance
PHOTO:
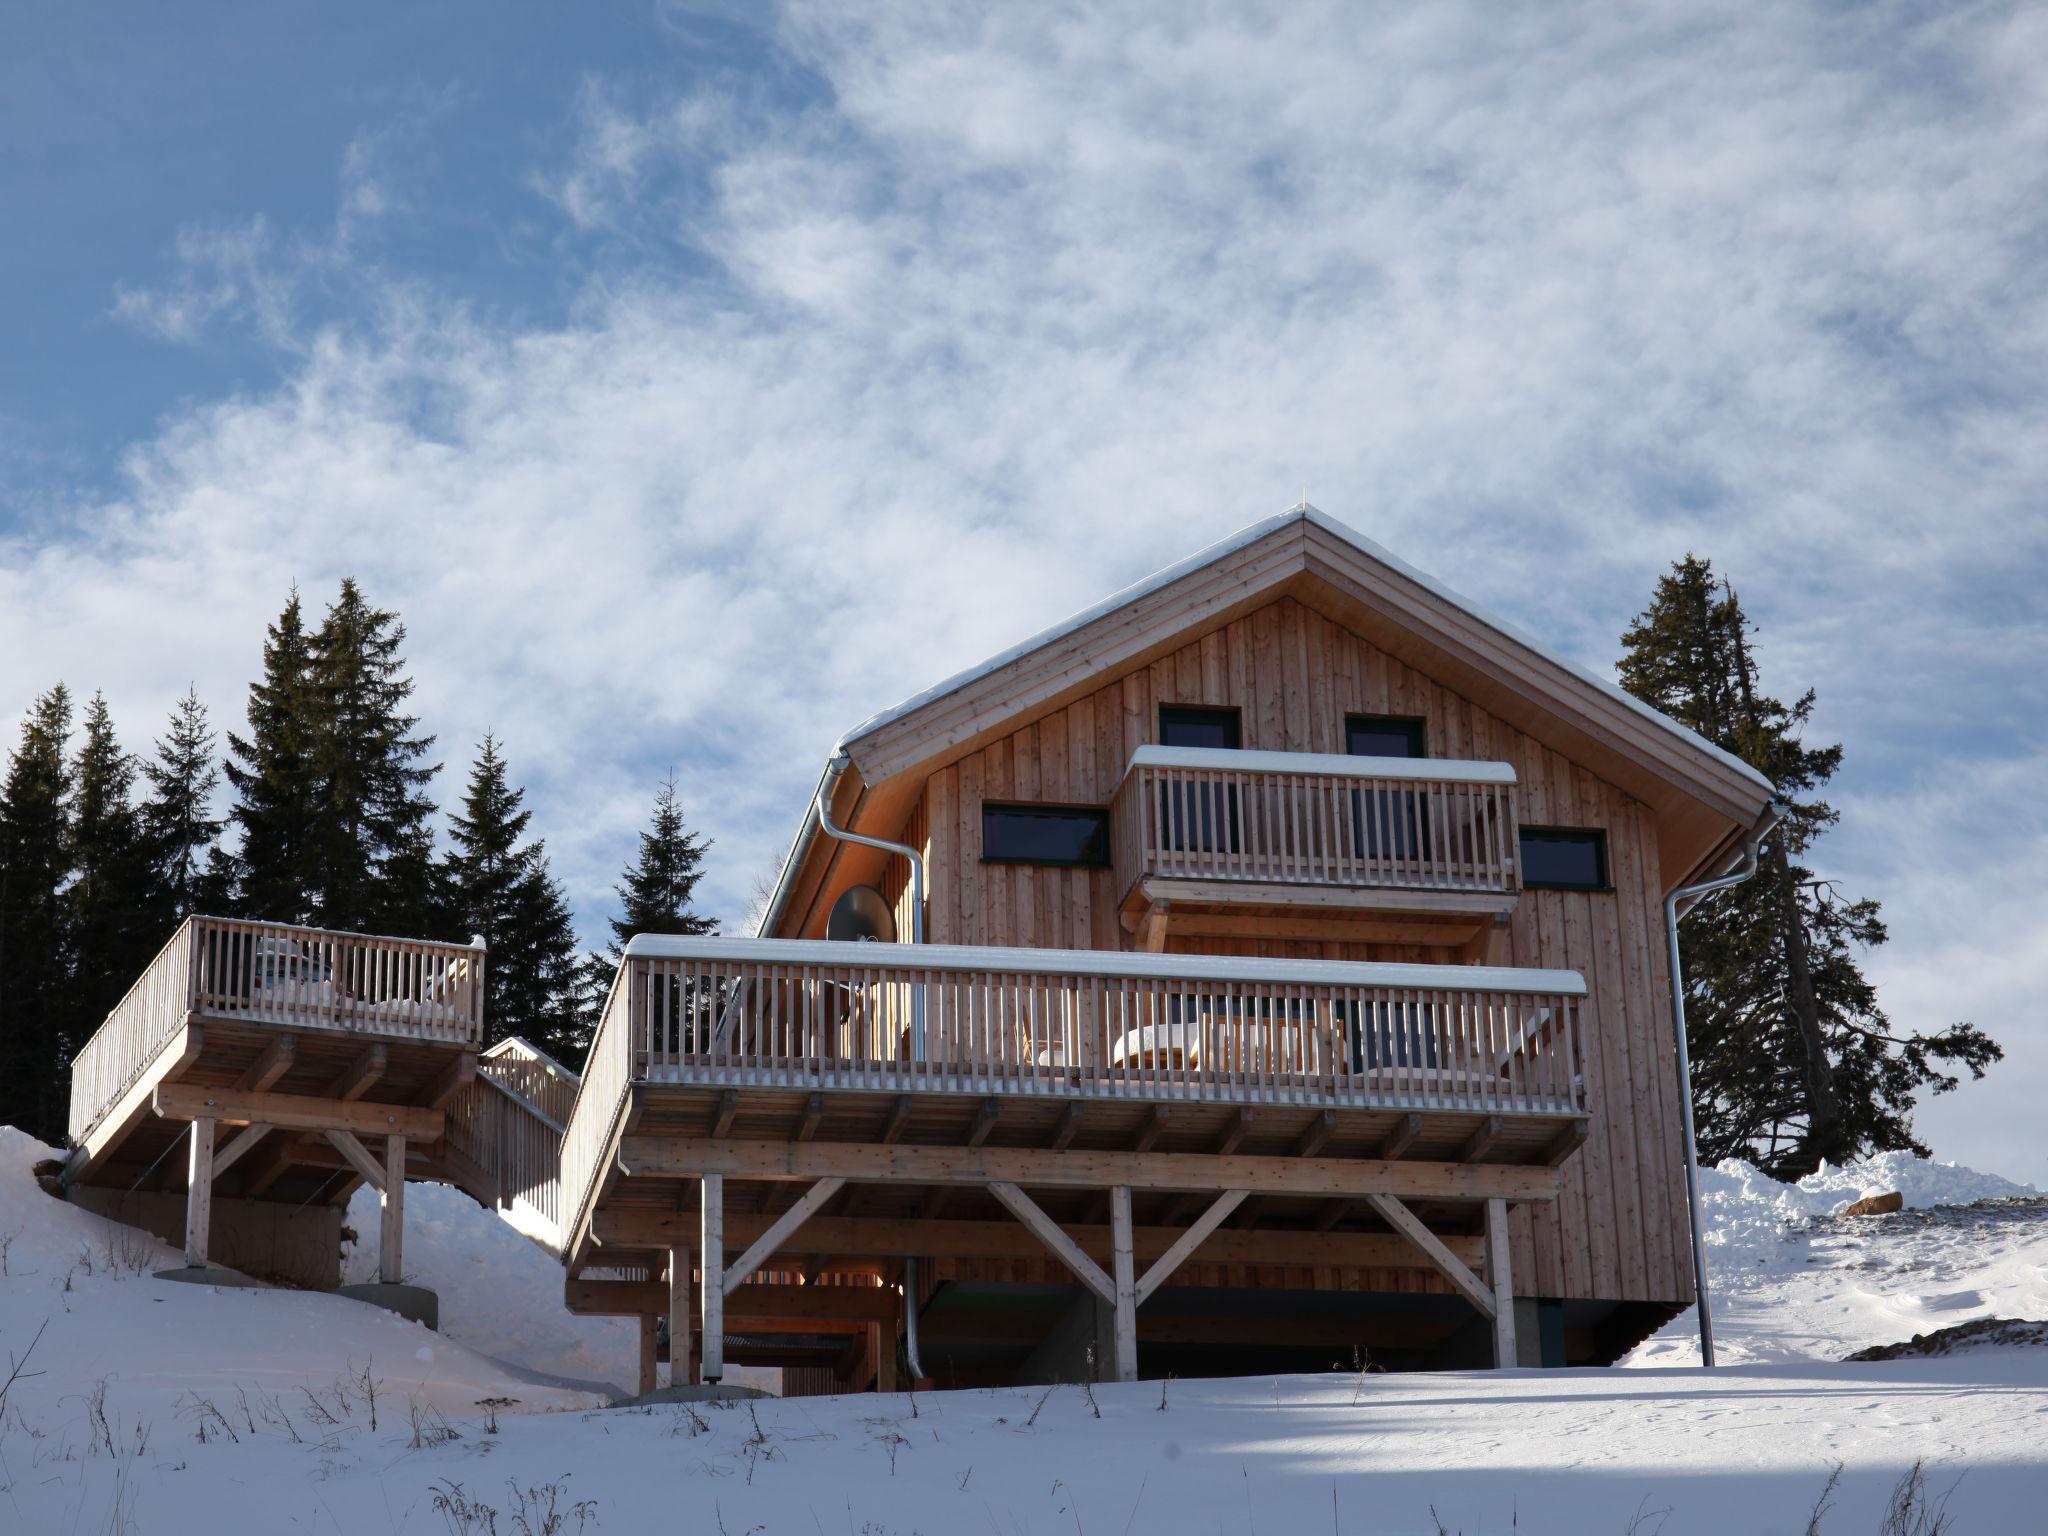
(1292, 989)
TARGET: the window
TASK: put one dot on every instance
(1564, 859)
(1191, 725)
(1387, 823)
(1383, 736)
(1045, 834)
(1199, 817)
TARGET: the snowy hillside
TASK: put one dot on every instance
(161, 1408)
(1793, 1280)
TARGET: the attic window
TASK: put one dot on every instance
(1194, 725)
(1383, 736)
(1076, 836)
(1564, 859)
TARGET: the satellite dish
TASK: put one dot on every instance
(862, 914)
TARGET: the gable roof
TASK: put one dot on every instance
(1699, 790)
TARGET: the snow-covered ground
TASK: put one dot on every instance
(1790, 1279)
(233, 1410)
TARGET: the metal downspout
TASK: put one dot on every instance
(825, 787)
(1692, 895)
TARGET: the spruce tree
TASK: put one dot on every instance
(503, 891)
(107, 903)
(35, 949)
(654, 897)
(178, 825)
(1793, 1061)
(271, 771)
(372, 863)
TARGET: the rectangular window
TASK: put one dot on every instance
(1192, 725)
(1383, 736)
(1075, 835)
(1564, 859)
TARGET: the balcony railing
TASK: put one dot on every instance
(1076, 1024)
(272, 973)
(1313, 818)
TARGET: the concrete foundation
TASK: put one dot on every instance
(409, 1301)
(290, 1245)
(212, 1274)
(718, 1393)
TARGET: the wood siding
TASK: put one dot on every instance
(1618, 1233)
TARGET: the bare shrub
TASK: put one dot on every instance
(1914, 1511)
(541, 1511)
(463, 1515)
(429, 1427)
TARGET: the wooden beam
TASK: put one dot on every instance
(682, 1349)
(649, 1326)
(276, 1060)
(198, 1192)
(899, 1117)
(1404, 1221)
(644, 1156)
(1070, 1122)
(985, 1117)
(807, 1124)
(1155, 1122)
(1048, 1231)
(358, 1158)
(1316, 1134)
(753, 1305)
(272, 1167)
(777, 1234)
(1568, 1141)
(1500, 1270)
(1177, 1254)
(712, 1246)
(1481, 1140)
(391, 1210)
(1123, 1270)
(728, 1106)
(361, 1075)
(1400, 1138)
(135, 1104)
(1152, 931)
(230, 1154)
(450, 1081)
(888, 1238)
(297, 1112)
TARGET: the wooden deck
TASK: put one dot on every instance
(821, 1106)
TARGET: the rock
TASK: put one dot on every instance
(1877, 1205)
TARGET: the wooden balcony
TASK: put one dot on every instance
(277, 1016)
(1219, 844)
(791, 1041)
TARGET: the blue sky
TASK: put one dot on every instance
(698, 379)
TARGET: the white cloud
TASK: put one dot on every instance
(1015, 308)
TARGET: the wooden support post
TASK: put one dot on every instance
(713, 1267)
(198, 1192)
(785, 1225)
(681, 1341)
(232, 1153)
(1405, 1221)
(391, 1198)
(1049, 1232)
(648, 1328)
(1501, 1273)
(1124, 1271)
(367, 1168)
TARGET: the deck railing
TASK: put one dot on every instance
(276, 973)
(1314, 818)
(515, 1141)
(1081, 1024)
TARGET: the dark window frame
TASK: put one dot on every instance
(1416, 727)
(1596, 835)
(1099, 813)
(1226, 712)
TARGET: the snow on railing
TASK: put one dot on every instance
(1314, 818)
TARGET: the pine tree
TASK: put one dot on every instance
(272, 774)
(107, 903)
(654, 898)
(35, 949)
(1793, 1061)
(372, 865)
(504, 892)
(178, 825)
